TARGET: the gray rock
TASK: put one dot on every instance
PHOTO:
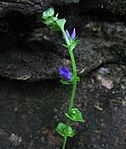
(29, 62)
(114, 6)
(39, 55)
(69, 1)
(38, 6)
(24, 6)
(31, 6)
(31, 111)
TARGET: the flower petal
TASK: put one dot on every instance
(73, 34)
(68, 34)
(65, 73)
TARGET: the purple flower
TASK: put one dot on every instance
(73, 35)
(65, 73)
(68, 34)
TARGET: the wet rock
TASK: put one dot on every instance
(67, 1)
(27, 62)
(36, 54)
(37, 6)
(114, 6)
(31, 6)
(24, 6)
(26, 116)
(31, 52)
(15, 139)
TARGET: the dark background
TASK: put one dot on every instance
(33, 101)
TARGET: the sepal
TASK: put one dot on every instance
(64, 45)
(70, 82)
(74, 44)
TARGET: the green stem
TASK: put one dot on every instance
(72, 97)
(75, 83)
(64, 143)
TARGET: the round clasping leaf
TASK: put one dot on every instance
(65, 130)
(75, 115)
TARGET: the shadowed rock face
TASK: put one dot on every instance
(29, 112)
(31, 108)
(26, 43)
(29, 51)
(37, 6)
(24, 6)
(114, 6)
(31, 6)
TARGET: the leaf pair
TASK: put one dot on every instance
(70, 82)
(75, 115)
(72, 44)
(65, 130)
(52, 21)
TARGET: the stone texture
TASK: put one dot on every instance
(30, 6)
(37, 6)
(28, 62)
(114, 6)
(24, 6)
(29, 112)
(36, 54)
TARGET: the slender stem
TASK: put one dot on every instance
(73, 62)
(72, 97)
(75, 83)
(64, 143)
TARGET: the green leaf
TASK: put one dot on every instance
(51, 24)
(65, 46)
(48, 13)
(66, 82)
(74, 44)
(72, 81)
(65, 130)
(75, 115)
(78, 79)
(61, 23)
(48, 22)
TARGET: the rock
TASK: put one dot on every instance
(114, 6)
(38, 6)
(100, 43)
(27, 62)
(66, 1)
(31, 6)
(31, 52)
(29, 112)
(24, 6)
